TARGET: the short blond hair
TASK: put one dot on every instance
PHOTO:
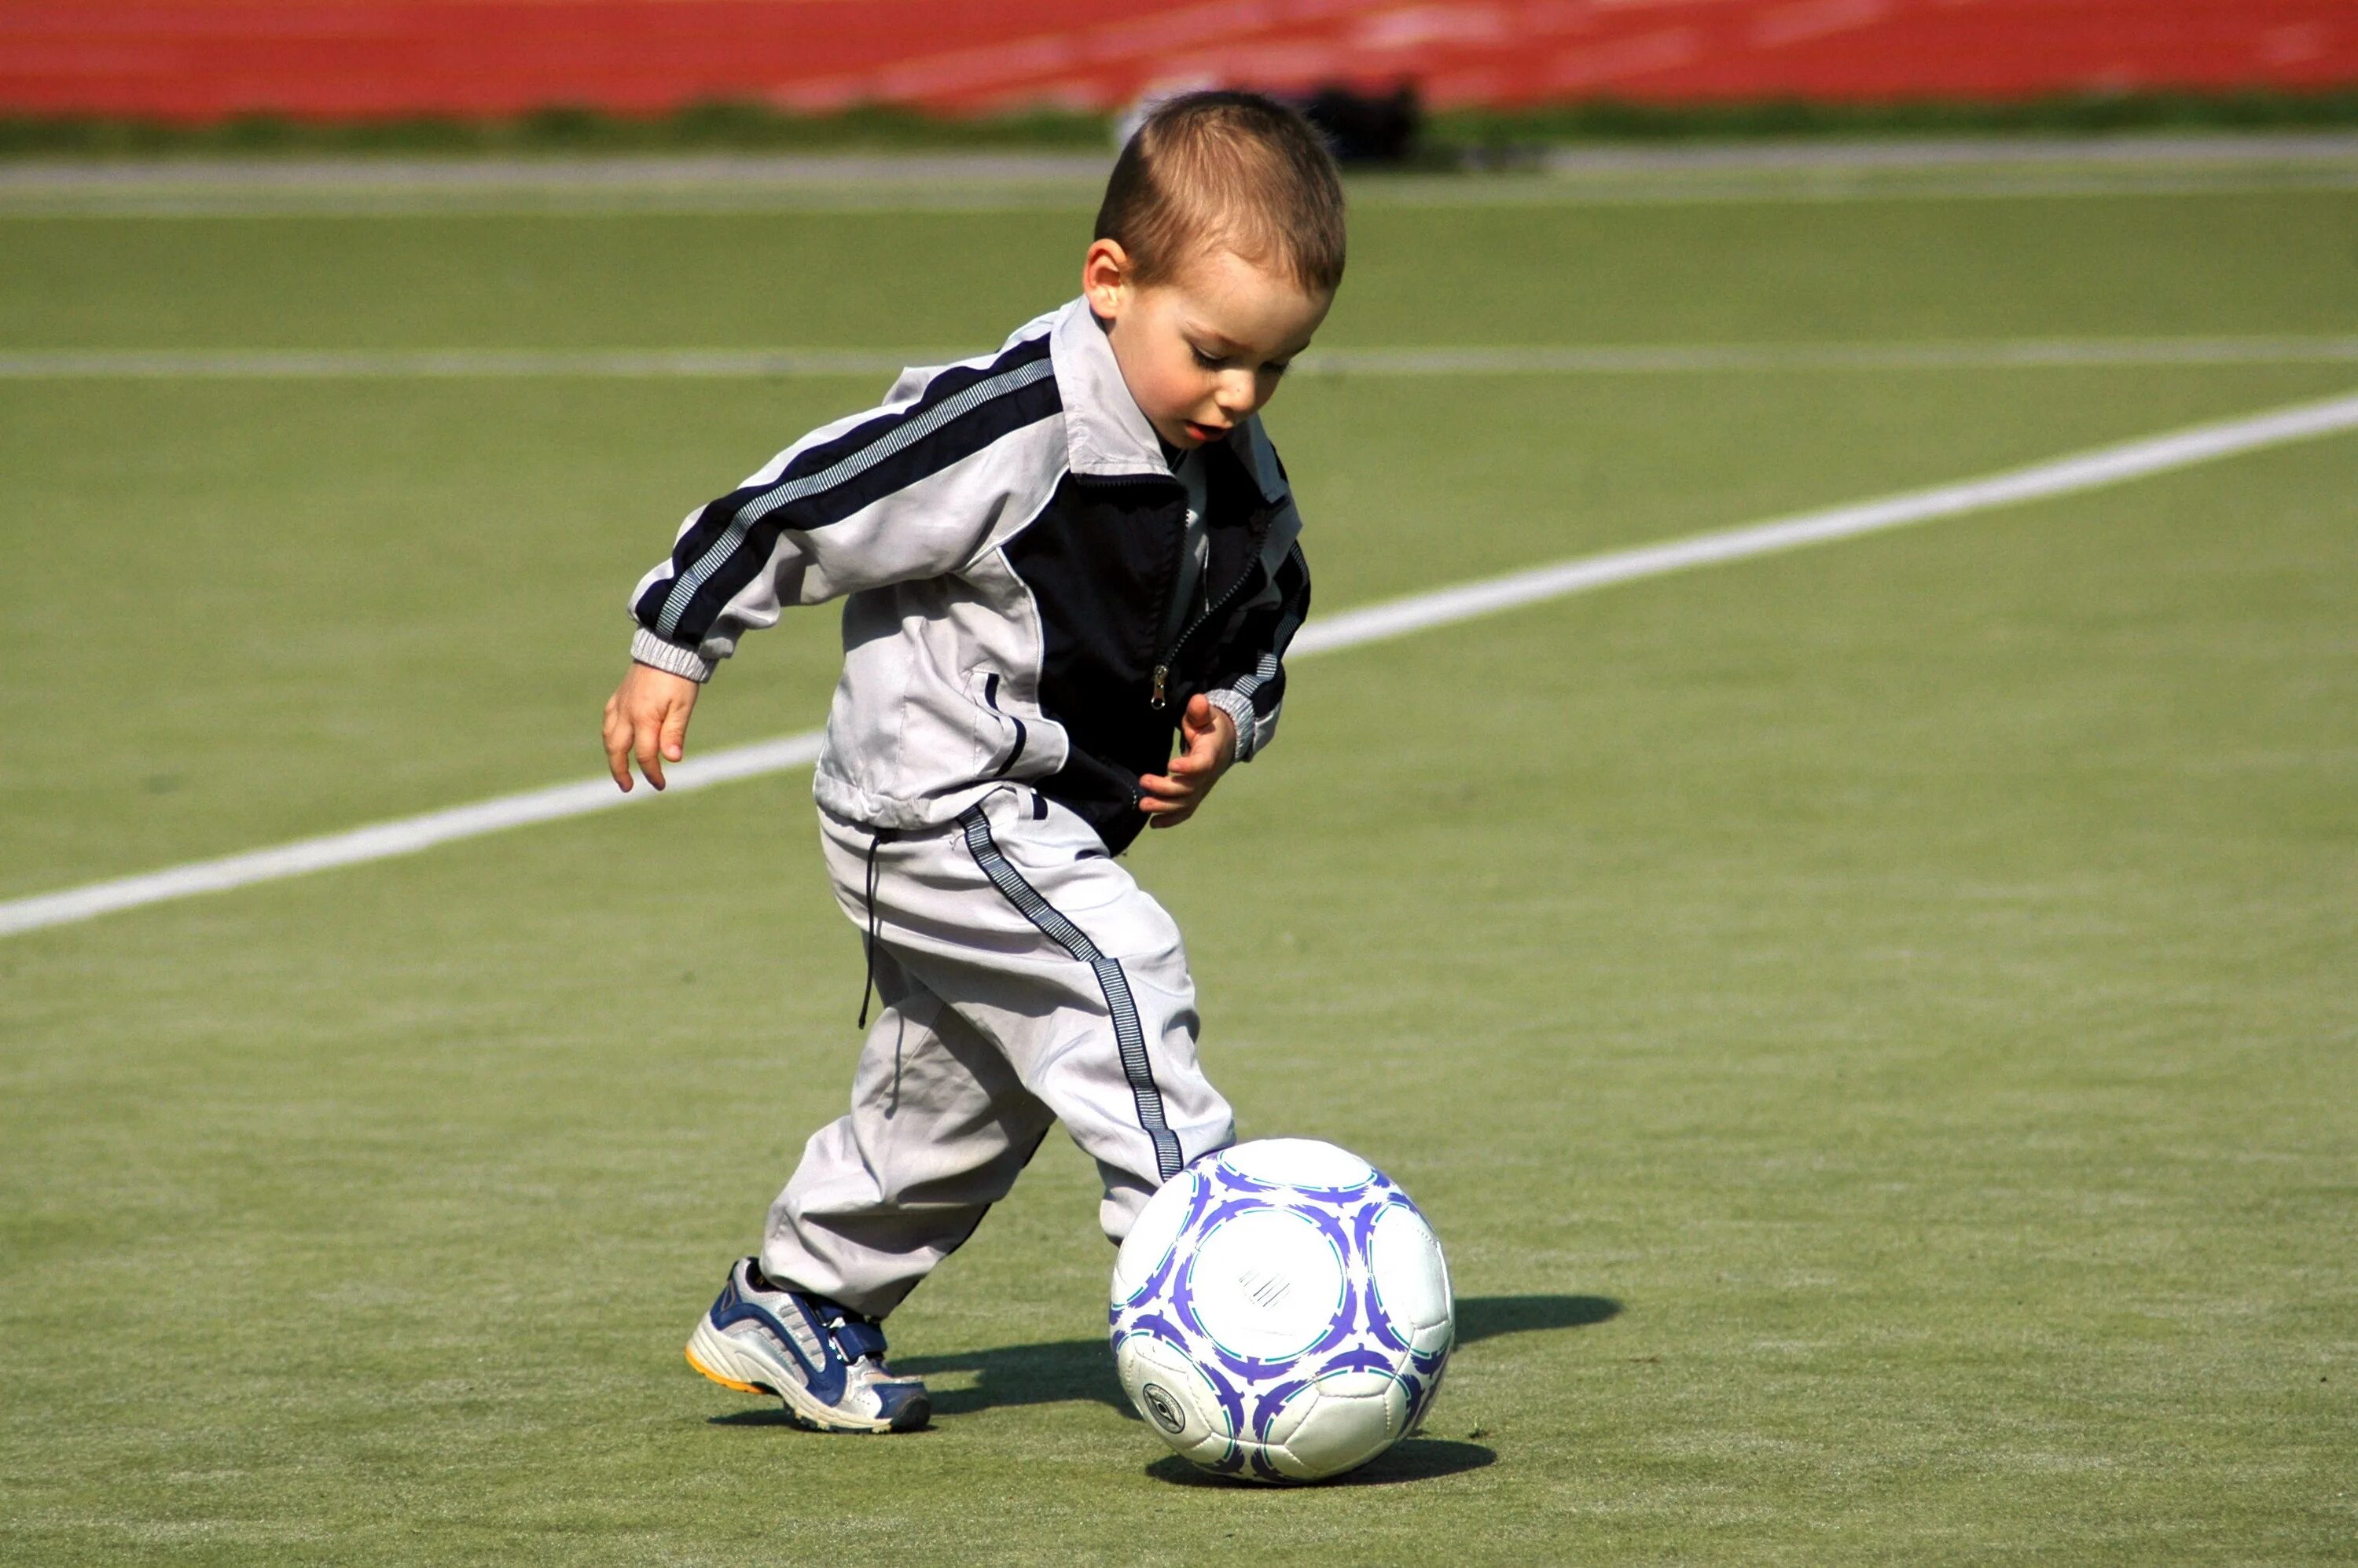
(1227, 171)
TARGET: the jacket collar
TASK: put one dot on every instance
(1107, 434)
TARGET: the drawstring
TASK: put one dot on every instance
(875, 928)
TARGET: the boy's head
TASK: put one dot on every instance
(1218, 249)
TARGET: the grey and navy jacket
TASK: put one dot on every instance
(1007, 535)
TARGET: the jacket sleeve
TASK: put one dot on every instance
(1251, 687)
(915, 489)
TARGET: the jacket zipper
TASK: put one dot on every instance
(1159, 698)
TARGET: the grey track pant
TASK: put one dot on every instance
(1026, 979)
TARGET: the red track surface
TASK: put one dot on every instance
(201, 59)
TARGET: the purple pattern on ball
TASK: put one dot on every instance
(1360, 1336)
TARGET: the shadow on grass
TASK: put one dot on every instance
(1048, 1373)
(1418, 1459)
(1051, 1373)
(1063, 1369)
(768, 1415)
(1487, 1317)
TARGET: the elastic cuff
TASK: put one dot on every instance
(1239, 708)
(647, 648)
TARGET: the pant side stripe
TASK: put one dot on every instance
(1129, 1035)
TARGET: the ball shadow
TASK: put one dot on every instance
(1418, 1459)
(1487, 1317)
(1060, 1369)
(1057, 1370)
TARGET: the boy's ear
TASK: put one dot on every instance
(1105, 278)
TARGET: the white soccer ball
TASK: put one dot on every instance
(1282, 1312)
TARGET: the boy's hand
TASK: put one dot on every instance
(1207, 748)
(647, 717)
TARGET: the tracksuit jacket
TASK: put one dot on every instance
(1007, 534)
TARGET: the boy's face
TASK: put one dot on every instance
(1205, 349)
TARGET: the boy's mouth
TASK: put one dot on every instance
(1205, 434)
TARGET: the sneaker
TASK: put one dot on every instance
(826, 1361)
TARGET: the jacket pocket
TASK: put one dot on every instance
(1065, 861)
(999, 736)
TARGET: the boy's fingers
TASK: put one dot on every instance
(675, 733)
(1196, 758)
(617, 738)
(1206, 756)
(650, 759)
(1175, 789)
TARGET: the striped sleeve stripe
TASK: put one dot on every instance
(1252, 700)
(1293, 581)
(1262, 672)
(858, 454)
(901, 436)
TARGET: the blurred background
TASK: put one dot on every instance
(724, 68)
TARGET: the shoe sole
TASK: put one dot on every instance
(711, 1353)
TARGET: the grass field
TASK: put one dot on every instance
(1875, 1028)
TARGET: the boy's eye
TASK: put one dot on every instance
(1221, 362)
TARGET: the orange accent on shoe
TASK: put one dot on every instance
(724, 1382)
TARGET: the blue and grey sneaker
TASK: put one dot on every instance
(826, 1361)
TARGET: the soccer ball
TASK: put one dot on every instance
(1281, 1311)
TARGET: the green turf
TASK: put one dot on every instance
(1504, 273)
(1874, 1027)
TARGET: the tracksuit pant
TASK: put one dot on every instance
(1026, 979)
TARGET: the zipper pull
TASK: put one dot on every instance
(1162, 675)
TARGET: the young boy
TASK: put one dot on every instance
(1054, 559)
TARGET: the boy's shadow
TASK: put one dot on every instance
(1062, 1369)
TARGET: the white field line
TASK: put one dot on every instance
(1998, 354)
(736, 171)
(2058, 476)
(1796, 187)
(405, 836)
(438, 364)
(1814, 171)
(1376, 622)
(1949, 151)
(1571, 359)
